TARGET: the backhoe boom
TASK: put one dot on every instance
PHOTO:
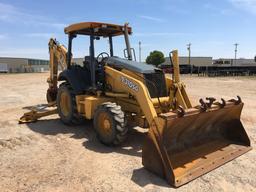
(58, 54)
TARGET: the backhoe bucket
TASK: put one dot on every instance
(181, 149)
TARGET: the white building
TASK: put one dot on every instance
(21, 65)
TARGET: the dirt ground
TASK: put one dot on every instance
(49, 156)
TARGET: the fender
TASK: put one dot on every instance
(78, 77)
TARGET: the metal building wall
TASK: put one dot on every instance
(196, 61)
(15, 65)
(38, 65)
(78, 61)
(232, 62)
(24, 65)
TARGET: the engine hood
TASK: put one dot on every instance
(131, 65)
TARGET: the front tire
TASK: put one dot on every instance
(109, 124)
(66, 105)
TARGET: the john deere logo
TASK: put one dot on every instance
(129, 84)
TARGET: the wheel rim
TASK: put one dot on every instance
(65, 103)
(104, 123)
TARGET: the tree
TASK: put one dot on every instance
(155, 58)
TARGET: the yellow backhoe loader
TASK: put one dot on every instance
(183, 142)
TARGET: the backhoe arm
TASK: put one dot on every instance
(58, 54)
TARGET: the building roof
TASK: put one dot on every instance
(98, 29)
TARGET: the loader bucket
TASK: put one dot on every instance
(181, 149)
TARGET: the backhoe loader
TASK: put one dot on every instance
(183, 141)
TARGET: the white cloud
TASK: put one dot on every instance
(248, 5)
(40, 35)
(213, 42)
(7, 8)
(159, 20)
(217, 10)
(3, 36)
(227, 12)
(40, 53)
(12, 14)
(159, 34)
(6, 12)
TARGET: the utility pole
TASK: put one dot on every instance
(189, 58)
(236, 44)
(139, 51)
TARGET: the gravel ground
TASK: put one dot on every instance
(49, 156)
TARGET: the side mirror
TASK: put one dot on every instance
(255, 58)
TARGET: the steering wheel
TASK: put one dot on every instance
(101, 57)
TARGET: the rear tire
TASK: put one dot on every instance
(109, 124)
(66, 105)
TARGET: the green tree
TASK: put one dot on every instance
(155, 58)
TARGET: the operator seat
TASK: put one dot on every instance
(99, 70)
(87, 61)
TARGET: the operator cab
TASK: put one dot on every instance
(91, 77)
(94, 64)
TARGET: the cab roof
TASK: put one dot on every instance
(96, 28)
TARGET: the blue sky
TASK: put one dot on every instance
(211, 26)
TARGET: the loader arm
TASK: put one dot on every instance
(178, 95)
(58, 54)
(126, 82)
(121, 82)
